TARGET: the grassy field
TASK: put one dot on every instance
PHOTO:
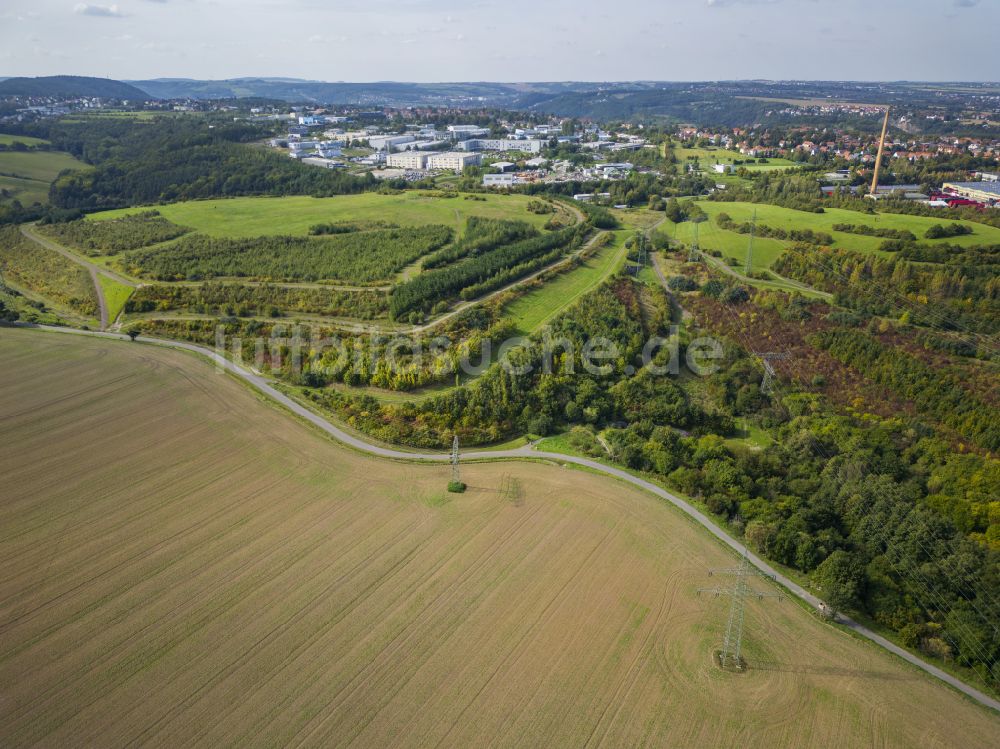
(766, 251)
(536, 307)
(184, 564)
(115, 295)
(248, 217)
(28, 174)
(711, 155)
(7, 139)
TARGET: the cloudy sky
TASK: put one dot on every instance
(504, 40)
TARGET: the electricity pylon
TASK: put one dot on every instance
(767, 384)
(753, 229)
(730, 655)
(456, 479)
(694, 254)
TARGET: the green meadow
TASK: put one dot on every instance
(26, 175)
(250, 217)
(766, 250)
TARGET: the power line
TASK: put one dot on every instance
(455, 477)
(694, 253)
(753, 228)
(730, 657)
(938, 599)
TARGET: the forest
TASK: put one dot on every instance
(175, 159)
(961, 294)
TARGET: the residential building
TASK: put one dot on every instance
(453, 160)
(502, 145)
(407, 160)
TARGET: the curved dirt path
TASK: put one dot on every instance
(528, 452)
(28, 230)
(102, 303)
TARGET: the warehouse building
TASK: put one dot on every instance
(981, 192)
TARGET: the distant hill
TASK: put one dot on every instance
(380, 93)
(71, 85)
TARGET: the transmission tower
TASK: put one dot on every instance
(767, 384)
(730, 655)
(456, 479)
(694, 254)
(753, 229)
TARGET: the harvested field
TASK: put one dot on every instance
(183, 564)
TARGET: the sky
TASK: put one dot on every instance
(504, 40)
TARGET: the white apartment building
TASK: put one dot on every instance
(407, 160)
(502, 145)
(455, 161)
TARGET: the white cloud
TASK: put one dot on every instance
(106, 11)
(727, 3)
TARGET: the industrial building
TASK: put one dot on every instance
(388, 142)
(464, 132)
(981, 192)
(498, 180)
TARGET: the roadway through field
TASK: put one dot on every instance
(528, 452)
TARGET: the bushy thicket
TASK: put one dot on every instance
(111, 236)
(481, 235)
(871, 231)
(32, 267)
(725, 221)
(346, 227)
(932, 391)
(358, 257)
(479, 274)
(259, 300)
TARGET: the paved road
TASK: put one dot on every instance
(528, 452)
